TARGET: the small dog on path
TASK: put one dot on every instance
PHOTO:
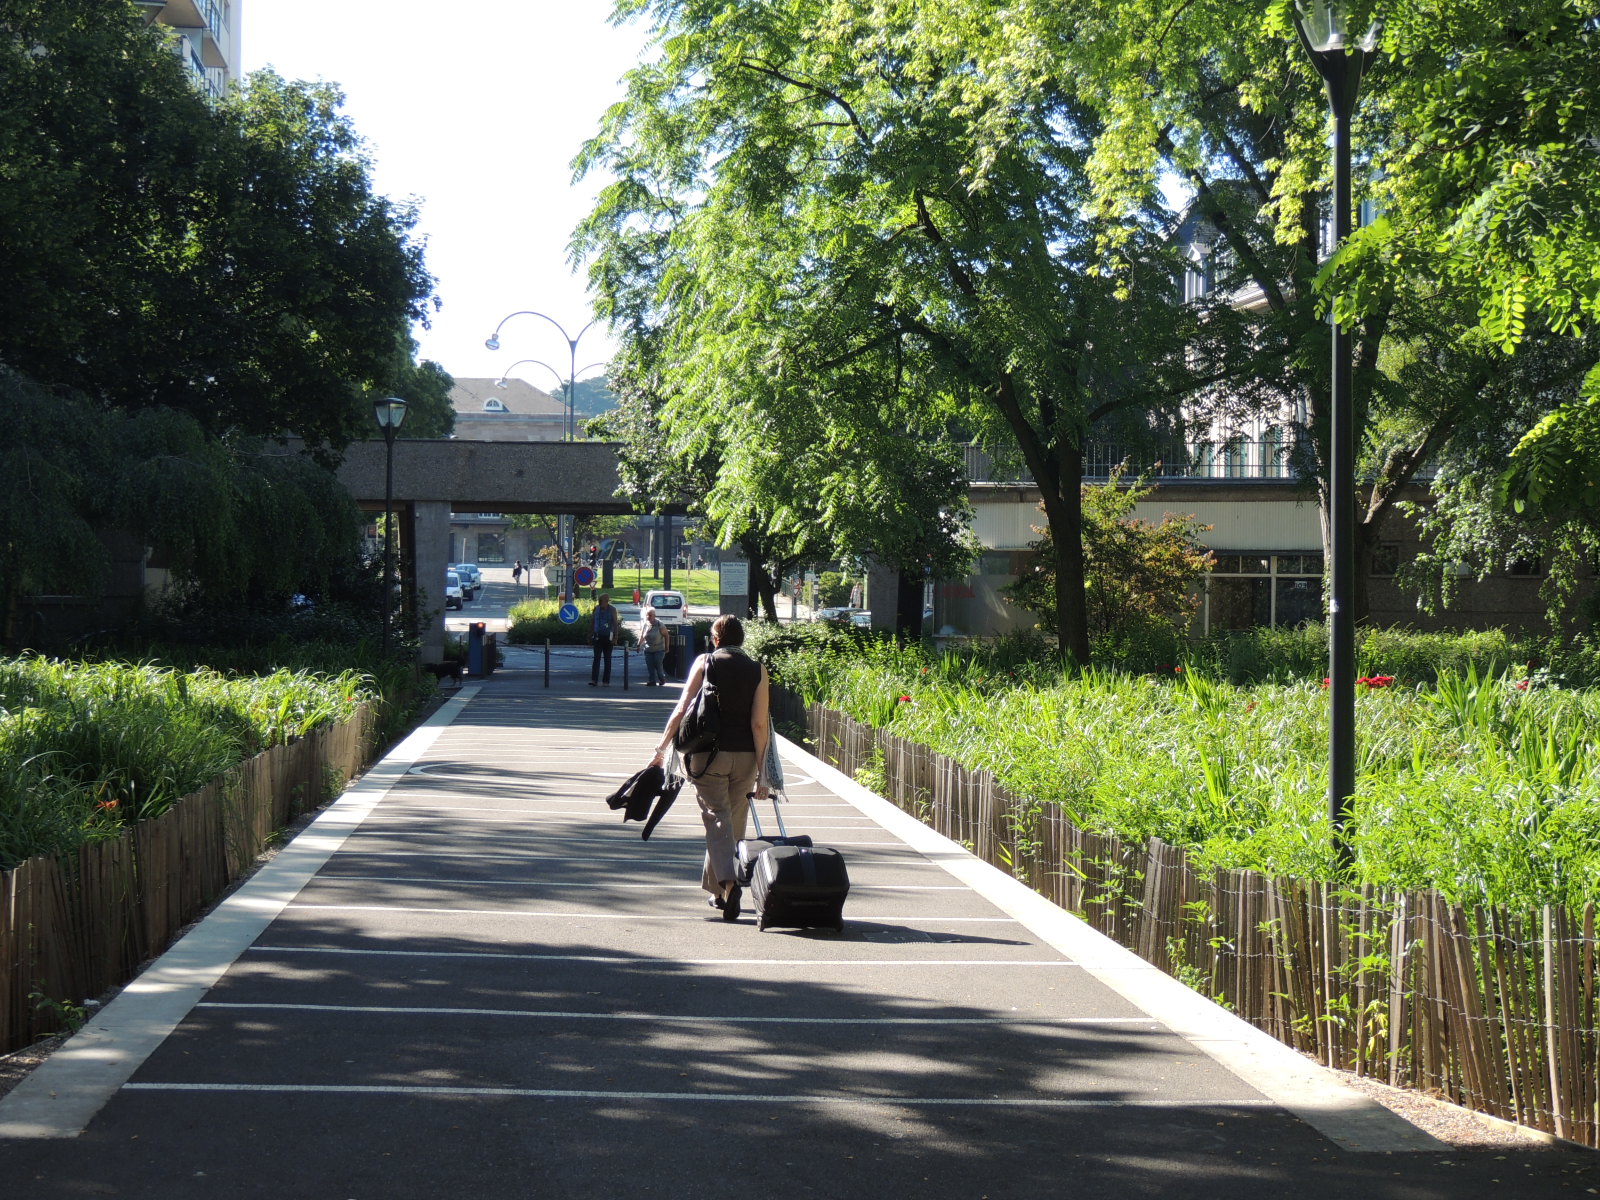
(451, 668)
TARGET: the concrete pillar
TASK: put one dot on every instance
(430, 534)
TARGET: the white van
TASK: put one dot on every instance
(669, 606)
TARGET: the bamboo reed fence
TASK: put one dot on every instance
(1493, 1010)
(73, 926)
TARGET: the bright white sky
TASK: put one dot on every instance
(476, 110)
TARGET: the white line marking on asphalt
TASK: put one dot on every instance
(1292, 1082)
(643, 887)
(1056, 964)
(569, 915)
(673, 1018)
(834, 1101)
(60, 1097)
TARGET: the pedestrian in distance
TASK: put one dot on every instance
(603, 636)
(737, 767)
(656, 640)
(516, 572)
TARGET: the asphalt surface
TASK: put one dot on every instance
(470, 978)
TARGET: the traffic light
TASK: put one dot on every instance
(594, 556)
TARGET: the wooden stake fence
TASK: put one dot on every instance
(1496, 1011)
(73, 926)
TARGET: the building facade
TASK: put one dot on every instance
(206, 38)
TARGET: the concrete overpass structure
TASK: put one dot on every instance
(433, 478)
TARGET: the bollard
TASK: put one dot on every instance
(547, 662)
(475, 648)
(624, 668)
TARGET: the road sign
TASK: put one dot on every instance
(568, 614)
(584, 576)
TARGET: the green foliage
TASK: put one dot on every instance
(534, 622)
(88, 749)
(226, 260)
(1141, 579)
(230, 520)
(833, 589)
(1483, 785)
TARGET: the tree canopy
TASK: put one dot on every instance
(230, 260)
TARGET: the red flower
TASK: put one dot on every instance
(1177, 670)
(1522, 685)
(905, 700)
(108, 804)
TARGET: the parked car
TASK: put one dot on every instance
(861, 620)
(840, 616)
(670, 607)
(471, 578)
(454, 596)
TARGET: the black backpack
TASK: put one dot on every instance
(702, 723)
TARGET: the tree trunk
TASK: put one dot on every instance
(1063, 508)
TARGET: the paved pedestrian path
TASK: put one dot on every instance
(470, 978)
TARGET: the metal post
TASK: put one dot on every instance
(388, 537)
(547, 662)
(1341, 532)
(1341, 62)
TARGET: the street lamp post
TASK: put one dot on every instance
(493, 343)
(1341, 61)
(390, 412)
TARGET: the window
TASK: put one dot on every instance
(493, 405)
(1524, 567)
(1245, 591)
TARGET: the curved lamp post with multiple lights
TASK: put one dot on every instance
(1341, 60)
(493, 343)
(390, 412)
(565, 385)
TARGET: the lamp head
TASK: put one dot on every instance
(390, 412)
(502, 382)
(493, 341)
(1325, 24)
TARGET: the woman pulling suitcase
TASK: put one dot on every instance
(724, 779)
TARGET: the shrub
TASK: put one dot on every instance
(533, 622)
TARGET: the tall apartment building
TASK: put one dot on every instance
(207, 37)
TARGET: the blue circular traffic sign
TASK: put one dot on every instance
(583, 576)
(568, 613)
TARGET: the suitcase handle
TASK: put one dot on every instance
(755, 815)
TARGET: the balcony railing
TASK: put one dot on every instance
(1270, 458)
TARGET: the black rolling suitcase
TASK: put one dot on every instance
(750, 849)
(800, 887)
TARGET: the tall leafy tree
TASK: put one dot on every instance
(227, 261)
(858, 228)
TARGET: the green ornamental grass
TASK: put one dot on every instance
(1481, 783)
(86, 749)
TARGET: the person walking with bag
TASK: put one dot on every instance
(728, 774)
(603, 633)
(655, 638)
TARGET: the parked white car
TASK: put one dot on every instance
(454, 596)
(670, 607)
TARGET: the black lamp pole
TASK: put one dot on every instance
(1341, 62)
(390, 412)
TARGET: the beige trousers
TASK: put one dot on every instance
(723, 792)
